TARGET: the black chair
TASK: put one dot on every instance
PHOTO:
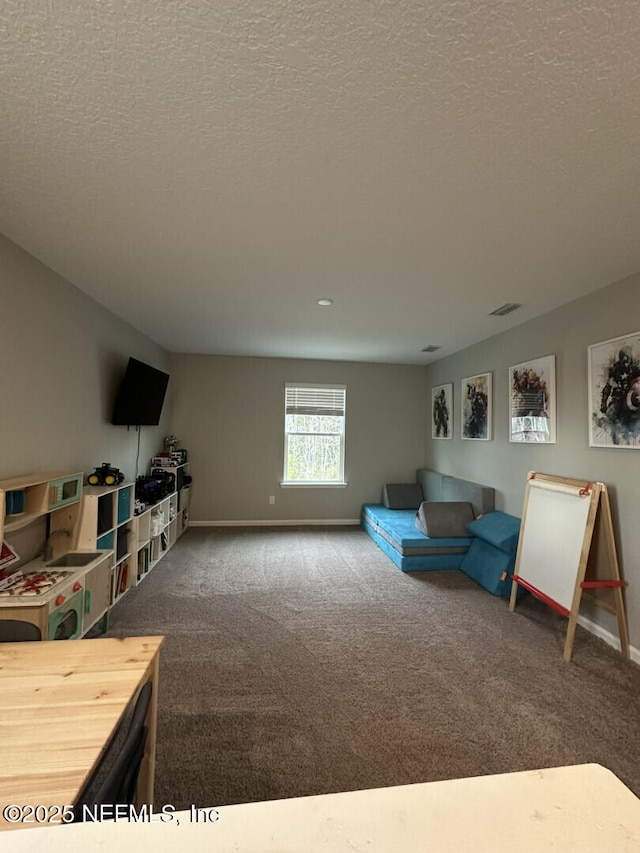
(15, 631)
(115, 779)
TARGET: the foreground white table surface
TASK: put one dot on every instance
(583, 808)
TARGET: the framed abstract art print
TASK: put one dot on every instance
(532, 401)
(442, 411)
(476, 407)
(614, 392)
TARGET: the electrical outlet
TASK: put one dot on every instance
(272, 499)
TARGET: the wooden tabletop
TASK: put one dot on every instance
(583, 808)
(60, 703)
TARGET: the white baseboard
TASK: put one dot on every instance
(607, 636)
(292, 522)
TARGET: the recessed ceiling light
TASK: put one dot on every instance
(324, 301)
(430, 348)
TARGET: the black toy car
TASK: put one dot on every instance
(106, 475)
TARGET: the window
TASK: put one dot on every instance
(314, 434)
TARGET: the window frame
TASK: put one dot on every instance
(341, 412)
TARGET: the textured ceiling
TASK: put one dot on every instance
(207, 170)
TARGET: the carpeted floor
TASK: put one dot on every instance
(300, 661)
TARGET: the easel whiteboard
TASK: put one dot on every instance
(555, 524)
(559, 519)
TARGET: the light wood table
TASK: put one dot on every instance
(583, 808)
(60, 703)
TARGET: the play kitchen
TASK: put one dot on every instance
(43, 580)
(69, 551)
(56, 601)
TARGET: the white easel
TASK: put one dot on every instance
(567, 549)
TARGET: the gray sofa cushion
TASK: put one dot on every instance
(444, 487)
(431, 482)
(481, 498)
(402, 495)
(444, 519)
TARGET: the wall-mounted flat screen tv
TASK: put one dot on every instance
(141, 395)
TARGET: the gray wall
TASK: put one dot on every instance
(62, 357)
(229, 414)
(566, 333)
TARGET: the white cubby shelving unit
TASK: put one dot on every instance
(107, 523)
(183, 492)
(155, 534)
(161, 525)
(137, 542)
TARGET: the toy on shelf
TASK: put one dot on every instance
(150, 490)
(171, 443)
(172, 457)
(105, 475)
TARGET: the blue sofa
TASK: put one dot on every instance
(485, 551)
(394, 531)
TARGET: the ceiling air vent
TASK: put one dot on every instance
(430, 348)
(505, 309)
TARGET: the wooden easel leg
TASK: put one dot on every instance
(622, 623)
(615, 572)
(571, 633)
(513, 596)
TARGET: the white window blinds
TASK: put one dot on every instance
(315, 400)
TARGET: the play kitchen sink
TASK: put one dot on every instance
(75, 559)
